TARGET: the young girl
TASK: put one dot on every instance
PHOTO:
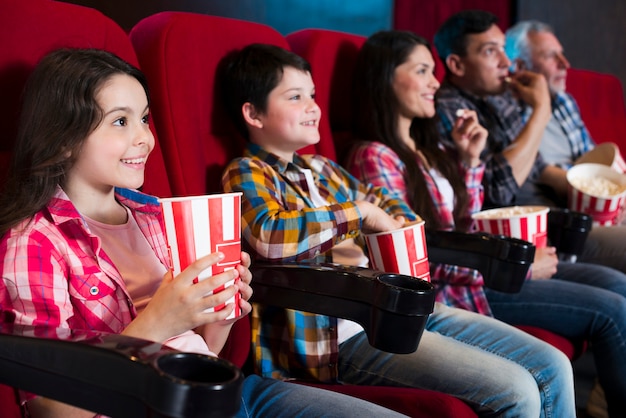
(394, 113)
(81, 249)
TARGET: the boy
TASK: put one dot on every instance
(307, 207)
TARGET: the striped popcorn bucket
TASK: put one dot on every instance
(607, 154)
(528, 223)
(196, 226)
(401, 251)
(588, 192)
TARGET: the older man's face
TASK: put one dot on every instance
(547, 58)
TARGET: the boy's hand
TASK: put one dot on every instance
(377, 220)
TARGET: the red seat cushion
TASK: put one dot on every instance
(600, 98)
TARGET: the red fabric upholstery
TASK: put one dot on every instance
(425, 16)
(600, 97)
(31, 28)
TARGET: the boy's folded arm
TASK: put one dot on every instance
(278, 226)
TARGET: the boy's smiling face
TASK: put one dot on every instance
(291, 120)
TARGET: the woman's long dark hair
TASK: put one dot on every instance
(375, 118)
(59, 112)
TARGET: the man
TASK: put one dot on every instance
(516, 108)
(533, 45)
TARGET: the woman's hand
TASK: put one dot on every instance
(545, 263)
(469, 137)
(180, 305)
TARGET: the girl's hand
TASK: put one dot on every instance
(544, 265)
(469, 136)
(179, 304)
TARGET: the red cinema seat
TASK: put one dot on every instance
(600, 97)
(29, 29)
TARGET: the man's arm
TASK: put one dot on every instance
(531, 88)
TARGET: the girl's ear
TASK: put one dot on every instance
(250, 115)
(455, 65)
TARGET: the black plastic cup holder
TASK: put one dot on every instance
(405, 282)
(568, 231)
(198, 369)
(392, 308)
(218, 381)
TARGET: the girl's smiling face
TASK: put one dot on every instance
(115, 153)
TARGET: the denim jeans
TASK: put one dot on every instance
(594, 275)
(264, 397)
(495, 368)
(606, 245)
(578, 312)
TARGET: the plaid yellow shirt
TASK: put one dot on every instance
(281, 223)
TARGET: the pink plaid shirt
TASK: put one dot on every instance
(376, 163)
(55, 273)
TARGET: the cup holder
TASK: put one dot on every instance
(405, 282)
(199, 369)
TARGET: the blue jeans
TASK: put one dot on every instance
(578, 312)
(495, 368)
(594, 275)
(606, 245)
(264, 397)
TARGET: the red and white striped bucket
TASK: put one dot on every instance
(607, 154)
(603, 206)
(528, 223)
(401, 251)
(196, 226)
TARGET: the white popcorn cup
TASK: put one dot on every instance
(603, 208)
(528, 223)
(607, 154)
(402, 251)
(196, 226)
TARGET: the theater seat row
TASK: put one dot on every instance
(179, 53)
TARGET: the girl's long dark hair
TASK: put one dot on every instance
(374, 118)
(59, 112)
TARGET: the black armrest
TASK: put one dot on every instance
(117, 375)
(567, 231)
(502, 261)
(392, 308)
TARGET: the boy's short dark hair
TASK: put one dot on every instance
(451, 37)
(250, 74)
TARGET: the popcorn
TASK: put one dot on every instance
(459, 113)
(597, 186)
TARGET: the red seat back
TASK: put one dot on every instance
(29, 29)
(600, 98)
(179, 53)
(332, 56)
